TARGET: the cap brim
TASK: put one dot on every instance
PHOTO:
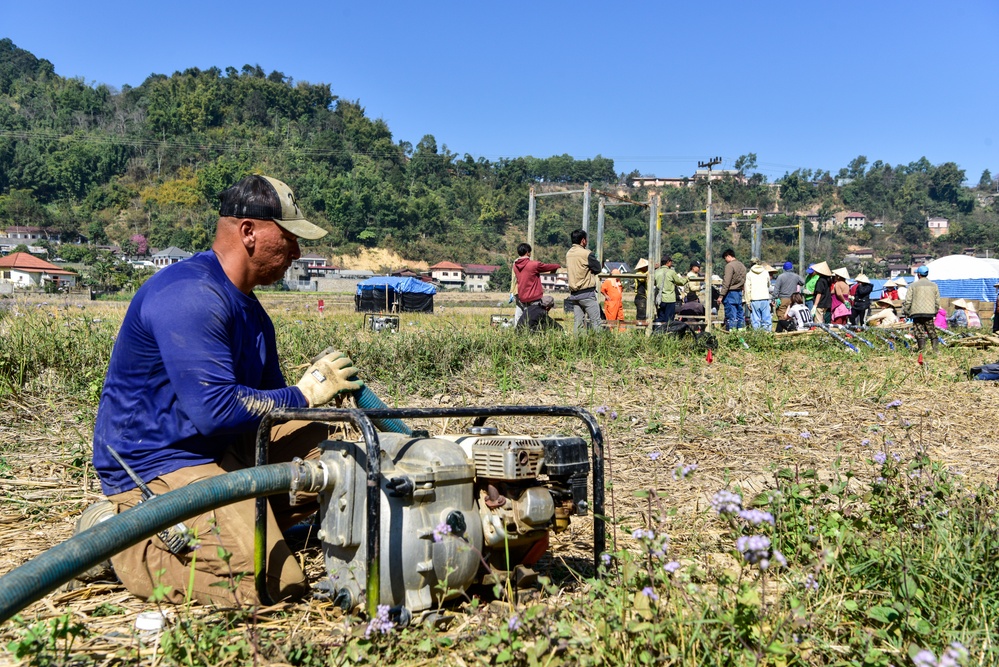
(302, 228)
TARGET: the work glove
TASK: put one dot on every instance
(331, 374)
(511, 299)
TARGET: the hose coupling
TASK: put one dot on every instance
(309, 477)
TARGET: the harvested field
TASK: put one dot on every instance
(802, 403)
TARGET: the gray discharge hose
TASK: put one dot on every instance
(38, 577)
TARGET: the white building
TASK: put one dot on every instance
(477, 276)
(938, 226)
(26, 270)
(448, 274)
(169, 256)
(855, 221)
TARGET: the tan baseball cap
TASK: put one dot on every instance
(271, 200)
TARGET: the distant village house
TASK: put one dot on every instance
(938, 226)
(855, 221)
(477, 276)
(448, 275)
(25, 270)
(169, 256)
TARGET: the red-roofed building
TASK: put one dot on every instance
(448, 274)
(26, 270)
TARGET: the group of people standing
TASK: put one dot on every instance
(774, 299)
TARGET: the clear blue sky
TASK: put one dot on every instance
(656, 86)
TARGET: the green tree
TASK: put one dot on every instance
(745, 163)
(913, 226)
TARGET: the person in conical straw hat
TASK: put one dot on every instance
(842, 304)
(885, 314)
(861, 293)
(641, 301)
(890, 290)
(823, 292)
(965, 315)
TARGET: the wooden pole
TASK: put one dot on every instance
(531, 212)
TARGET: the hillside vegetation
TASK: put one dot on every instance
(148, 161)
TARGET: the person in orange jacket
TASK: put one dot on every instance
(613, 298)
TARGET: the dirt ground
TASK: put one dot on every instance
(737, 418)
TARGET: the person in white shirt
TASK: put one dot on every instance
(799, 313)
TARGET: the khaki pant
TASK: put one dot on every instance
(782, 308)
(203, 574)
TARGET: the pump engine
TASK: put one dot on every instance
(456, 510)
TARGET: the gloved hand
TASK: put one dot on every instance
(328, 376)
(511, 299)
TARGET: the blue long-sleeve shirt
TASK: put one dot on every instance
(193, 370)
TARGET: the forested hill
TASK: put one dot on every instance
(150, 160)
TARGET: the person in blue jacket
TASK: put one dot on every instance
(193, 370)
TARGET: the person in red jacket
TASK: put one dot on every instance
(527, 273)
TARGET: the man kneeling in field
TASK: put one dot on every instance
(193, 371)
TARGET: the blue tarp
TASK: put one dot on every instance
(400, 285)
(974, 289)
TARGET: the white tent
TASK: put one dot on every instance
(960, 276)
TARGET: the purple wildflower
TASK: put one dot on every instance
(650, 593)
(881, 415)
(514, 623)
(441, 530)
(880, 458)
(613, 415)
(605, 559)
(757, 516)
(655, 455)
(924, 658)
(894, 404)
(896, 456)
(754, 548)
(805, 434)
(955, 655)
(811, 583)
(642, 533)
(683, 472)
(865, 442)
(726, 502)
(380, 623)
(602, 410)
(672, 566)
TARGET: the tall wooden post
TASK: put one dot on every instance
(586, 208)
(531, 213)
(708, 267)
(649, 279)
(601, 212)
(801, 247)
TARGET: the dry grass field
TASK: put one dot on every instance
(800, 404)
